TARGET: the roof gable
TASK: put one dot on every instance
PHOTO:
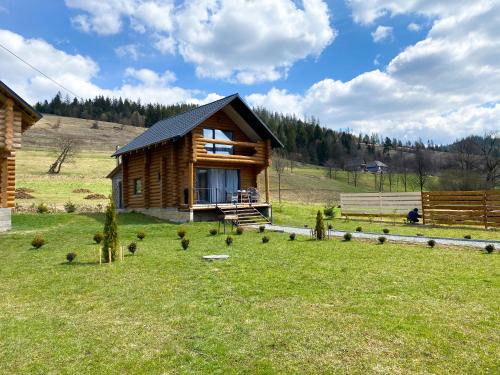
(178, 126)
(30, 115)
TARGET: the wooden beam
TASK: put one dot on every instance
(125, 181)
(228, 161)
(229, 143)
(190, 184)
(266, 179)
(146, 180)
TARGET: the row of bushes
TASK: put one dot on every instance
(69, 207)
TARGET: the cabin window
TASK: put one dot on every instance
(222, 135)
(137, 186)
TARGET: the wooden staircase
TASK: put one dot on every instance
(246, 215)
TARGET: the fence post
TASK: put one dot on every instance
(423, 207)
(485, 209)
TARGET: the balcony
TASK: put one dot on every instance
(250, 153)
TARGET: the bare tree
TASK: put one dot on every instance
(66, 149)
(422, 166)
(279, 164)
(465, 151)
(332, 166)
(489, 147)
(293, 158)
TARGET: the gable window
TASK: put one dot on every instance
(137, 186)
(222, 135)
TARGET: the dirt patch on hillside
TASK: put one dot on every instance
(95, 196)
(86, 191)
(24, 193)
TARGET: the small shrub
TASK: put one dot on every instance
(42, 208)
(38, 241)
(181, 233)
(185, 243)
(98, 237)
(330, 226)
(141, 235)
(262, 228)
(467, 236)
(382, 239)
(265, 239)
(431, 243)
(359, 229)
(132, 247)
(347, 236)
(320, 227)
(420, 234)
(292, 236)
(489, 248)
(229, 240)
(69, 207)
(213, 232)
(239, 230)
(329, 212)
(306, 225)
(70, 257)
(385, 230)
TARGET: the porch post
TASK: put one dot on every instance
(266, 179)
(190, 184)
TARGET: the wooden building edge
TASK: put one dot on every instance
(197, 165)
(16, 116)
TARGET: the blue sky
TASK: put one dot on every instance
(399, 69)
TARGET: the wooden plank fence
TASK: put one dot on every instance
(379, 204)
(462, 207)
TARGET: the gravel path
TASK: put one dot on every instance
(391, 237)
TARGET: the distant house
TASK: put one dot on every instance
(198, 165)
(376, 167)
(356, 164)
(16, 116)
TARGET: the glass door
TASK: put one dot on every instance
(215, 185)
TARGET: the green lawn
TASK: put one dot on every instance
(282, 307)
(87, 170)
(297, 214)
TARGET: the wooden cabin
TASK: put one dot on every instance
(198, 165)
(16, 116)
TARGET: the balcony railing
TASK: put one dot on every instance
(242, 152)
(216, 196)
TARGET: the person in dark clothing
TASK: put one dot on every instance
(413, 216)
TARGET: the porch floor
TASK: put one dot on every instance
(211, 206)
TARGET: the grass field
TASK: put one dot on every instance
(282, 307)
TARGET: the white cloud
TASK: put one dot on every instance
(443, 87)
(131, 51)
(76, 73)
(382, 33)
(251, 41)
(367, 11)
(106, 17)
(414, 27)
(236, 40)
(165, 44)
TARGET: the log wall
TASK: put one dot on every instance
(10, 141)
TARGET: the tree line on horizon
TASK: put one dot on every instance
(308, 141)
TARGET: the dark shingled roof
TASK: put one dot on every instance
(178, 126)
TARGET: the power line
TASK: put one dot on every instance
(40, 72)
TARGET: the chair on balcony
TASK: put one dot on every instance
(253, 195)
(232, 197)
